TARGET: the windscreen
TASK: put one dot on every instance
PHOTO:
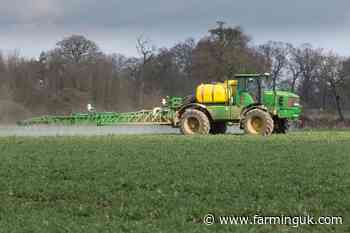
(255, 87)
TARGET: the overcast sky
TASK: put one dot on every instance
(35, 25)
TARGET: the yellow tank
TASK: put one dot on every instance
(216, 93)
(212, 93)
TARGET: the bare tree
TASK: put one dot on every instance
(276, 54)
(222, 54)
(331, 71)
(346, 74)
(229, 48)
(77, 48)
(293, 67)
(307, 61)
(183, 55)
(233, 37)
(146, 51)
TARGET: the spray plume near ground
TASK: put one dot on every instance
(38, 131)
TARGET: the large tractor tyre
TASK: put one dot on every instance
(218, 128)
(258, 122)
(281, 126)
(194, 121)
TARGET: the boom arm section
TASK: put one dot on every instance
(156, 116)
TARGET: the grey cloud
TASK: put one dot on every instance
(273, 13)
(170, 20)
(34, 11)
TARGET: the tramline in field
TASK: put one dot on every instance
(245, 100)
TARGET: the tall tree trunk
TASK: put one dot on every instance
(324, 97)
(340, 111)
(142, 85)
(293, 85)
(294, 81)
(337, 102)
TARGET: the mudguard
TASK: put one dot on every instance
(246, 109)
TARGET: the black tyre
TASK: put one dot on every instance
(281, 126)
(218, 128)
(194, 121)
(258, 122)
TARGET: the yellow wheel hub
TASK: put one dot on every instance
(193, 124)
(257, 124)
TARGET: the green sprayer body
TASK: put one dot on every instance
(243, 100)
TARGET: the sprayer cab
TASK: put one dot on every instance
(252, 86)
(258, 90)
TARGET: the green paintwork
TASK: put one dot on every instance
(219, 112)
(224, 112)
(235, 112)
(280, 104)
(282, 93)
(244, 98)
(277, 104)
(174, 102)
(163, 115)
(158, 116)
(289, 113)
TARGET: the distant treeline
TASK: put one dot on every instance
(77, 72)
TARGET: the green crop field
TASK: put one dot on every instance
(168, 183)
